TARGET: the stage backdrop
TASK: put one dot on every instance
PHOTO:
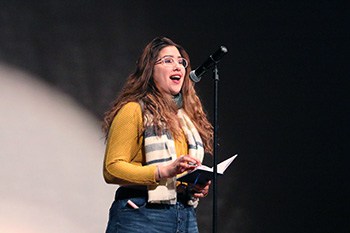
(282, 108)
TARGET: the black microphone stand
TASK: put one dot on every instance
(195, 76)
(215, 125)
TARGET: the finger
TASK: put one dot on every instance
(200, 195)
(202, 187)
(190, 159)
(182, 167)
(187, 167)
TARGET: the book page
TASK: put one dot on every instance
(204, 168)
(221, 167)
(203, 173)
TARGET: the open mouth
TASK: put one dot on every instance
(175, 77)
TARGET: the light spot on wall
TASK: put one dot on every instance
(51, 154)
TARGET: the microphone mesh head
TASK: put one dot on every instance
(194, 77)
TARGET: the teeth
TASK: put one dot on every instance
(175, 77)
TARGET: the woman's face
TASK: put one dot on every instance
(169, 74)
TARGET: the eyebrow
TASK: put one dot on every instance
(170, 56)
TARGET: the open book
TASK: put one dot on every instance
(202, 174)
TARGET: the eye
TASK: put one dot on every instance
(183, 62)
(168, 60)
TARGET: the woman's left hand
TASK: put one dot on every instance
(201, 191)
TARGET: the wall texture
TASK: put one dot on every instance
(282, 99)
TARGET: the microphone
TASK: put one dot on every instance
(195, 75)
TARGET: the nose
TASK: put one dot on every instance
(177, 66)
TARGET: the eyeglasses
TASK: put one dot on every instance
(170, 61)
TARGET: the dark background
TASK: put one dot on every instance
(282, 96)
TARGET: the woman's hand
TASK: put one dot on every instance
(201, 191)
(180, 165)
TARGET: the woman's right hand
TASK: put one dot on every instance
(178, 166)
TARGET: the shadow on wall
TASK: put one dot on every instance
(51, 154)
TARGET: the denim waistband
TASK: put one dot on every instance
(131, 192)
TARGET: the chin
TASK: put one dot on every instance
(175, 93)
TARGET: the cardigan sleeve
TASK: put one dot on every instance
(124, 150)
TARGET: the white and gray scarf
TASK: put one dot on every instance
(160, 150)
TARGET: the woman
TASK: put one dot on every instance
(155, 131)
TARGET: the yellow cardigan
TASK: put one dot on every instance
(124, 156)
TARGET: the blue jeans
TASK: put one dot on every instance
(151, 218)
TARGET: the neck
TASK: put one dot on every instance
(178, 100)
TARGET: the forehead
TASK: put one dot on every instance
(169, 51)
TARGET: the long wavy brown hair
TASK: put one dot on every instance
(140, 86)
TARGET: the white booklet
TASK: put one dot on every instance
(202, 174)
